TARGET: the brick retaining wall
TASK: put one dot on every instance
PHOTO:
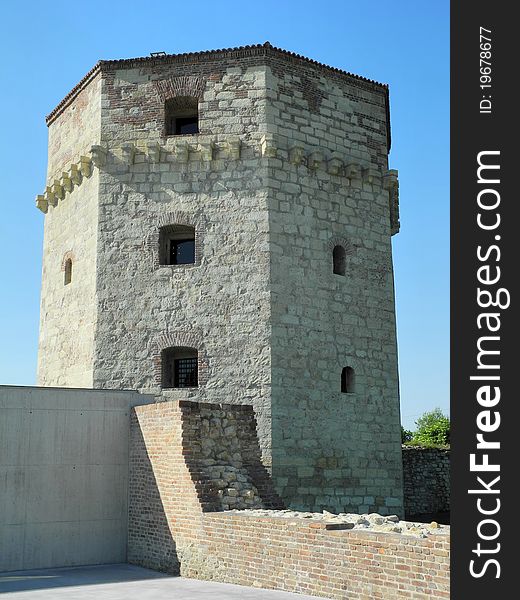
(173, 527)
(318, 559)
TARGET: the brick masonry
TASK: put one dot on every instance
(175, 524)
(426, 480)
(291, 158)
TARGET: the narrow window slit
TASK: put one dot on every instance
(68, 271)
(348, 380)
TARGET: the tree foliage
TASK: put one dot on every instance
(406, 435)
(433, 429)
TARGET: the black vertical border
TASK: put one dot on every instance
(471, 133)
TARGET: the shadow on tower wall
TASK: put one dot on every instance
(150, 540)
(186, 459)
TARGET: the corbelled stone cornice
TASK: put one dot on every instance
(207, 149)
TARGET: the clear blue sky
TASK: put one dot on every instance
(46, 48)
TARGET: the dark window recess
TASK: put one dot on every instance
(184, 125)
(68, 271)
(185, 372)
(182, 252)
(348, 380)
(339, 259)
(177, 245)
(181, 115)
(179, 367)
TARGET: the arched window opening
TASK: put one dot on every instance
(339, 259)
(68, 271)
(177, 245)
(181, 115)
(179, 367)
(348, 380)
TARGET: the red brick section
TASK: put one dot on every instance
(162, 497)
(232, 55)
(172, 528)
(312, 559)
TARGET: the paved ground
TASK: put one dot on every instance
(124, 582)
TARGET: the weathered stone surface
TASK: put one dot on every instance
(371, 522)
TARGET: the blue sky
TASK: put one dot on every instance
(45, 49)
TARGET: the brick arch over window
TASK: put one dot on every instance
(187, 85)
(180, 339)
(341, 241)
(177, 96)
(176, 218)
(66, 257)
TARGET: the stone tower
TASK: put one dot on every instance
(218, 228)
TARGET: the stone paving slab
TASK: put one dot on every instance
(124, 582)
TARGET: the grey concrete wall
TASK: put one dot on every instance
(63, 476)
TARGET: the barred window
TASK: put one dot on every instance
(185, 374)
(179, 367)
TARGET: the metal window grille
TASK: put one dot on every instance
(185, 372)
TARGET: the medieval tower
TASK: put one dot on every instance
(218, 228)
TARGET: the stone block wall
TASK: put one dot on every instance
(223, 449)
(332, 450)
(68, 313)
(176, 526)
(426, 480)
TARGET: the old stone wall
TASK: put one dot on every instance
(188, 458)
(426, 474)
(173, 528)
(220, 305)
(78, 127)
(332, 450)
(68, 313)
(223, 449)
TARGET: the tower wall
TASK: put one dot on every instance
(220, 305)
(68, 313)
(333, 450)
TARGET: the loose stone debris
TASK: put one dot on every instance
(371, 522)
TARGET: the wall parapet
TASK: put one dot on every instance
(323, 560)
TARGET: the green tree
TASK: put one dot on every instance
(406, 435)
(433, 429)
